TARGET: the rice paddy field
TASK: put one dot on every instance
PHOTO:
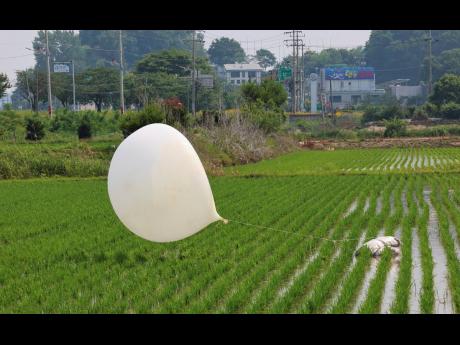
(295, 223)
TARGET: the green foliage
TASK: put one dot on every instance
(270, 93)
(402, 53)
(9, 123)
(4, 84)
(267, 119)
(175, 62)
(449, 110)
(35, 128)
(226, 51)
(448, 62)
(31, 86)
(136, 43)
(97, 85)
(84, 128)
(68, 121)
(133, 120)
(383, 112)
(265, 58)
(446, 89)
(64, 45)
(145, 88)
(394, 128)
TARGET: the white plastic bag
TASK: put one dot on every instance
(158, 186)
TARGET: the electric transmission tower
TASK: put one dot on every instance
(297, 69)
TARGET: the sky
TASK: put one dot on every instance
(14, 55)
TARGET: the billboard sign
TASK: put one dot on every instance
(347, 73)
(206, 80)
(285, 73)
(60, 67)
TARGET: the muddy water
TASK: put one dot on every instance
(366, 205)
(390, 283)
(367, 281)
(443, 299)
(416, 280)
(352, 208)
(408, 161)
(297, 273)
(425, 162)
(455, 238)
(378, 208)
(338, 292)
(392, 166)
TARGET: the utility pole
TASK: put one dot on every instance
(430, 71)
(122, 91)
(194, 72)
(50, 105)
(73, 85)
(36, 98)
(193, 75)
(295, 42)
(330, 98)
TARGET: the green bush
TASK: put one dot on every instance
(84, 128)
(269, 120)
(347, 134)
(133, 120)
(35, 128)
(450, 110)
(394, 128)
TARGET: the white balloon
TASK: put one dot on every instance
(158, 186)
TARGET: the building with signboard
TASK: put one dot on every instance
(238, 74)
(347, 86)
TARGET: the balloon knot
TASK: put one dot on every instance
(225, 220)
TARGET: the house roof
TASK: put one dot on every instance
(243, 67)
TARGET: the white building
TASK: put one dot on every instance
(406, 91)
(238, 74)
(347, 85)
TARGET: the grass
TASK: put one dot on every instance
(63, 249)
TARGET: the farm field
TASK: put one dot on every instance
(356, 161)
(288, 248)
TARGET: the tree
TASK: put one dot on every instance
(403, 53)
(64, 46)
(448, 62)
(269, 92)
(4, 84)
(31, 85)
(143, 88)
(61, 84)
(446, 89)
(99, 85)
(103, 45)
(265, 58)
(226, 51)
(173, 61)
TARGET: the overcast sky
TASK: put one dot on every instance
(14, 55)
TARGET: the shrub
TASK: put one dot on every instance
(450, 111)
(35, 128)
(347, 134)
(394, 128)
(84, 127)
(63, 121)
(371, 113)
(268, 120)
(132, 121)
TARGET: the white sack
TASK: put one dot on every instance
(377, 245)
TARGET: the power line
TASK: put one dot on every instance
(14, 57)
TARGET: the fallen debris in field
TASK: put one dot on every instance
(377, 245)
